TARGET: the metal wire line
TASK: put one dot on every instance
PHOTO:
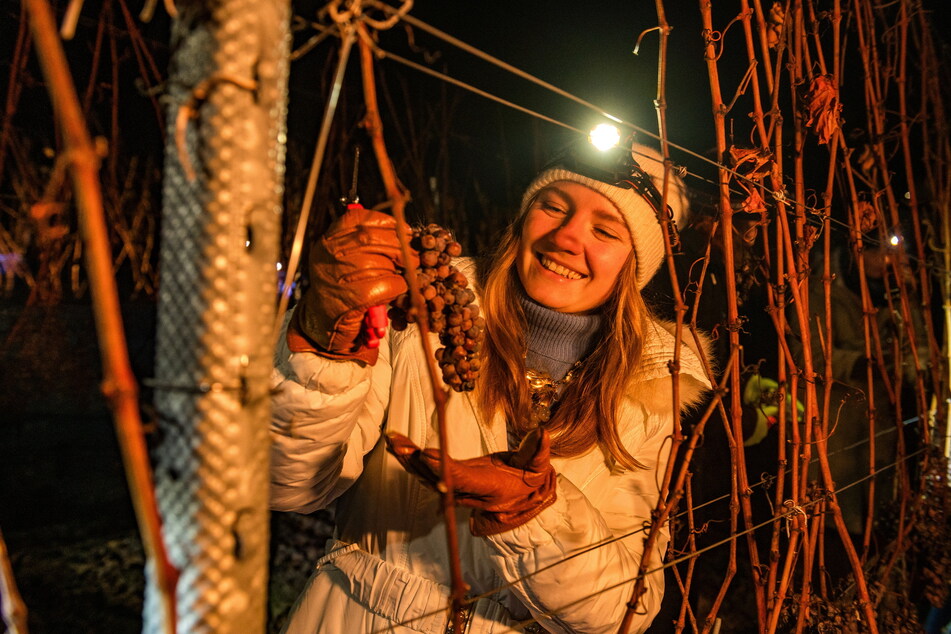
(776, 195)
(483, 93)
(795, 510)
(763, 482)
(505, 102)
(409, 19)
(470, 87)
(449, 39)
(673, 562)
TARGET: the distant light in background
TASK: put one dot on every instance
(894, 240)
(604, 136)
(10, 262)
(279, 266)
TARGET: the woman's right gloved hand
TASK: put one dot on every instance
(506, 489)
(354, 267)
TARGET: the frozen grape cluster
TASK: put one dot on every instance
(452, 315)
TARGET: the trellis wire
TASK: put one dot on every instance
(554, 121)
(794, 42)
(788, 253)
(784, 515)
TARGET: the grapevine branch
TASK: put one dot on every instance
(397, 198)
(118, 384)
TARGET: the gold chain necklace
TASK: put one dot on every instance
(545, 392)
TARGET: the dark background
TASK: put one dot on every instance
(64, 508)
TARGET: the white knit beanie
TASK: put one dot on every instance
(646, 232)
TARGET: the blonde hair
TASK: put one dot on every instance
(588, 408)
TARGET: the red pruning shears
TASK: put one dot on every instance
(374, 324)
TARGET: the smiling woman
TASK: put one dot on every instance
(559, 448)
(574, 244)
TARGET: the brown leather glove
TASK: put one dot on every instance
(506, 489)
(352, 268)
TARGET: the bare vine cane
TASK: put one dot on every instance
(872, 338)
(734, 501)
(667, 499)
(12, 609)
(855, 224)
(148, 10)
(784, 282)
(661, 513)
(684, 583)
(821, 443)
(906, 500)
(724, 417)
(828, 134)
(118, 384)
(18, 64)
(874, 74)
(758, 115)
(733, 370)
(822, 105)
(669, 231)
(397, 197)
(805, 536)
(798, 293)
(798, 528)
(924, 283)
(799, 290)
(937, 152)
(149, 71)
(763, 135)
(813, 548)
(669, 235)
(711, 618)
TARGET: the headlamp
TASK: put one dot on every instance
(614, 166)
(604, 136)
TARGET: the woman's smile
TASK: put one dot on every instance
(559, 269)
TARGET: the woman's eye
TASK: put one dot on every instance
(606, 234)
(552, 207)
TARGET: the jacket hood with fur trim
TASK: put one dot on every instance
(653, 385)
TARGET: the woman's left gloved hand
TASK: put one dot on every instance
(355, 267)
(506, 489)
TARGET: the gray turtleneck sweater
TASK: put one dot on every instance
(556, 341)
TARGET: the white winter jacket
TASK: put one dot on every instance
(571, 568)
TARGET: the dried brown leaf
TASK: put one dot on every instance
(46, 215)
(752, 163)
(868, 219)
(753, 203)
(823, 107)
(775, 20)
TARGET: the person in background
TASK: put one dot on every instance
(849, 426)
